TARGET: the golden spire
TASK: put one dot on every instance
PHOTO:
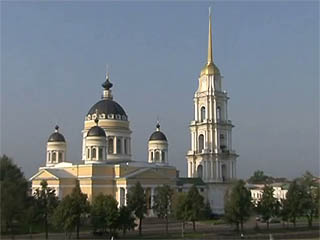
(210, 60)
(210, 68)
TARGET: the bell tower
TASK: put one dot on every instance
(211, 156)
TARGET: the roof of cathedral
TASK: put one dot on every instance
(56, 136)
(96, 131)
(193, 181)
(158, 135)
(107, 106)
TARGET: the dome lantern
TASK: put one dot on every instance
(158, 147)
(56, 148)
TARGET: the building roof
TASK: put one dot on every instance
(96, 131)
(107, 106)
(193, 181)
(158, 135)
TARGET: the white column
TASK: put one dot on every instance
(115, 145)
(211, 169)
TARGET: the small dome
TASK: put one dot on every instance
(210, 69)
(96, 131)
(107, 106)
(157, 135)
(56, 136)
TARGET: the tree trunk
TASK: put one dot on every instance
(241, 225)
(78, 229)
(140, 226)
(294, 222)
(46, 225)
(182, 229)
(194, 225)
(267, 224)
(310, 221)
(237, 226)
(167, 230)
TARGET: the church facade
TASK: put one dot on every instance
(107, 167)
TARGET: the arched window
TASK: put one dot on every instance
(218, 113)
(201, 142)
(100, 153)
(88, 153)
(151, 155)
(119, 150)
(157, 156)
(94, 153)
(54, 157)
(60, 157)
(224, 172)
(49, 157)
(203, 113)
(200, 171)
(162, 156)
(110, 145)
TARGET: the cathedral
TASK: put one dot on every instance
(107, 166)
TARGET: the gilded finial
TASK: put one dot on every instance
(107, 84)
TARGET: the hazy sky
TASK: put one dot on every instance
(53, 58)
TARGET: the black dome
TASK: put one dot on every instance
(56, 137)
(157, 135)
(96, 131)
(107, 106)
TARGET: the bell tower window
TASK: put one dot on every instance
(157, 156)
(218, 113)
(203, 113)
(201, 142)
(94, 153)
(110, 146)
(200, 171)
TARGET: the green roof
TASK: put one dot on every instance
(193, 181)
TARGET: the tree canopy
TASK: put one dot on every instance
(163, 202)
(136, 201)
(238, 204)
(70, 210)
(14, 190)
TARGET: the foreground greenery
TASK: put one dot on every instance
(43, 212)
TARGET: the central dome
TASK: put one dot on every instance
(107, 106)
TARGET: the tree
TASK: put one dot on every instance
(268, 205)
(136, 201)
(46, 202)
(194, 205)
(126, 220)
(238, 204)
(104, 213)
(163, 202)
(310, 197)
(69, 212)
(292, 204)
(180, 209)
(14, 189)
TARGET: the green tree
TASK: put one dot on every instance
(194, 205)
(163, 202)
(238, 204)
(180, 209)
(268, 205)
(71, 209)
(292, 204)
(136, 201)
(310, 197)
(14, 189)
(46, 202)
(104, 213)
(207, 212)
(126, 220)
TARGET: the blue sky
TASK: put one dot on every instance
(53, 57)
